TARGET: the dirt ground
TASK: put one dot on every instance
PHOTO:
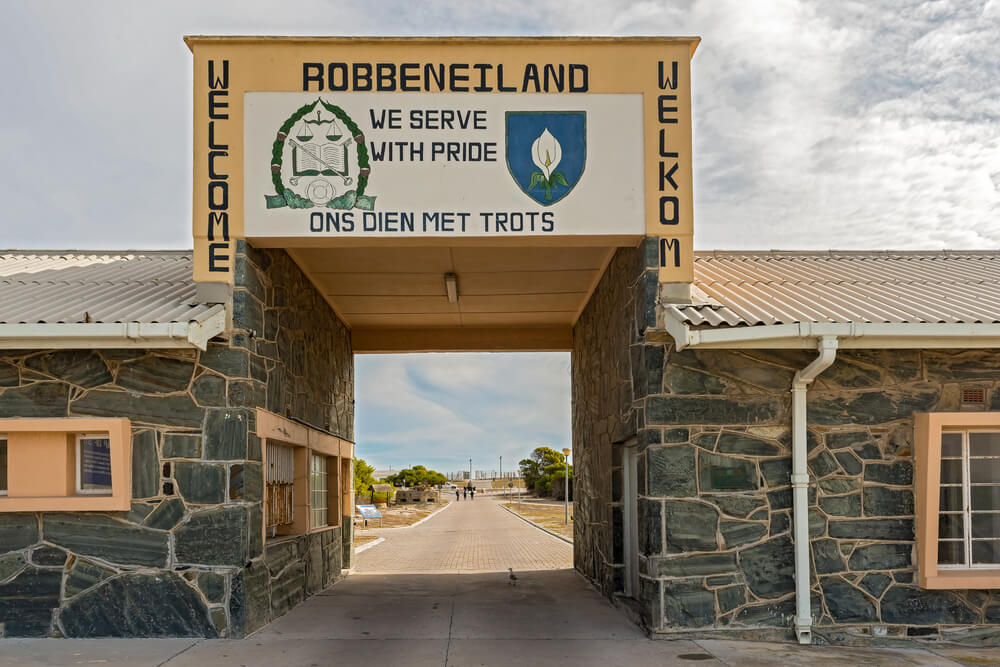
(547, 516)
(363, 539)
(397, 516)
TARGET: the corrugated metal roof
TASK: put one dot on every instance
(70, 287)
(789, 287)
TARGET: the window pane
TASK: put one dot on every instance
(95, 464)
(985, 497)
(951, 445)
(951, 499)
(984, 471)
(984, 444)
(986, 551)
(951, 553)
(985, 525)
(951, 472)
(951, 525)
(3, 466)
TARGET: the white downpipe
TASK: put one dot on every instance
(800, 485)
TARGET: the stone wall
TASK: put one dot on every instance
(302, 368)
(607, 351)
(716, 544)
(189, 558)
(713, 432)
(166, 567)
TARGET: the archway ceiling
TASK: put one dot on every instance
(394, 298)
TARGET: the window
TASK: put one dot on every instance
(969, 508)
(958, 499)
(319, 492)
(304, 485)
(3, 465)
(65, 465)
(279, 498)
(93, 463)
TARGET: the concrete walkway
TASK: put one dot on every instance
(469, 536)
(456, 613)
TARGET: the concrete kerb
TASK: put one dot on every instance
(528, 521)
(369, 545)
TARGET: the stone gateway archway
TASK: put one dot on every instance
(457, 195)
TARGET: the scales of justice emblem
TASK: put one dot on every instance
(319, 159)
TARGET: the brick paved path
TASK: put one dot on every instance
(469, 536)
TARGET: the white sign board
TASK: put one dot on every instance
(488, 165)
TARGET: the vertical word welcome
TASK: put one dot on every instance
(219, 251)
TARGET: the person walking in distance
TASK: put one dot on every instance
(457, 497)
(472, 493)
(465, 492)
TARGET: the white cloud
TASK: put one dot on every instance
(441, 409)
(817, 124)
(858, 124)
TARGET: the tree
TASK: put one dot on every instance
(417, 476)
(363, 479)
(532, 469)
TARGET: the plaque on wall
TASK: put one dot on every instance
(94, 464)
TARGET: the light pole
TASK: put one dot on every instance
(566, 498)
(501, 467)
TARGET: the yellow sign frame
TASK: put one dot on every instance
(225, 68)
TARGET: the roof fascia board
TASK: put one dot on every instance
(115, 335)
(854, 335)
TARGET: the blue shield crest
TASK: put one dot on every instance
(546, 152)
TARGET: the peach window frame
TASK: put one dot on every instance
(928, 427)
(305, 442)
(42, 465)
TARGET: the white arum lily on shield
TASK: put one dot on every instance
(546, 154)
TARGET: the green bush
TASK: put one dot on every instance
(545, 473)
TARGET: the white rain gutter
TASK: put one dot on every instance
(852, 335)
(800, 484)
(115, 335)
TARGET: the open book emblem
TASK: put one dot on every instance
(318, 159)
(546, 152)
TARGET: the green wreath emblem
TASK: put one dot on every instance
(350, 199)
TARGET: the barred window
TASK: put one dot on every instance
(279, 498)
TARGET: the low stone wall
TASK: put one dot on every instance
(417, 496)
(292, 569)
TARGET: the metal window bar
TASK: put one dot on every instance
(279, 497)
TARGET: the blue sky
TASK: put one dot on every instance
(441, 409)
(817, 124)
